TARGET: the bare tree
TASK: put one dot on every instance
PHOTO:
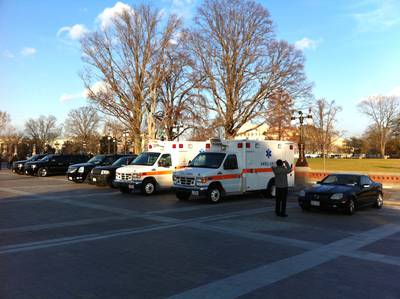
(5, 120)
(42, 130)
(279, 110)
(181, 107)
(383, 111)
(323, 133)
(82, 125)
(242, 63)
(127, 58)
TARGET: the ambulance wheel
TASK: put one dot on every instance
(271, 189)
(148, 187)
(214, 194)
(184, 196)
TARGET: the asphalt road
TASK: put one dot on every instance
(64, 240)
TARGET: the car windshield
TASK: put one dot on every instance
(46, 158)
(208, 160)
(121, 161)
(340, 180)
(146, 159)
(34, 158)
(97, 159)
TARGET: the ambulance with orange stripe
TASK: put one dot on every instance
(233, 167)
(152, 169)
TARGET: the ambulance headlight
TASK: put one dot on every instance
(201, 180)
(174, 178)
(135, 175)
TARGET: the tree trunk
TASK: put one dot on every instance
(151, 124)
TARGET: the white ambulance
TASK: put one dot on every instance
(233, 167)
(152, 169)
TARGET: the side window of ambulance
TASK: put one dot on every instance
(165, 160)
(231, 162)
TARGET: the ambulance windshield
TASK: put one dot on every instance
(147, 159)
(208, 160)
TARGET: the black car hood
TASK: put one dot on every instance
(108, 167)
(83, 164)
(21, 162)
(321, 188)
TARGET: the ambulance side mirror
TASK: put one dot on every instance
(190, 161)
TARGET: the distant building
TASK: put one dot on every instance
(252, 131)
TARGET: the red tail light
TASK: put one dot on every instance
(180, 145)
(240, 145)
(208, 145)
(247, 144)
(174, 146)
(150, 146)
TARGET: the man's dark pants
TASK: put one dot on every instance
(280, 204)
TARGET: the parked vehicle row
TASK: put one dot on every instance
(212, 169)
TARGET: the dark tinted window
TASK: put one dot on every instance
(231, 162)
(109, 160)
(165, 160)
(341, 179)
(208, 160)
(365, 180)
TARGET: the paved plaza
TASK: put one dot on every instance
(64, 240)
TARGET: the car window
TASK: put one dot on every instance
(165, 160)
(365, 180)
(231, 162)
(341, 180)
(109, 160)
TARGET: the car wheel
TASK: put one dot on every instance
(42, 172)
(148, 187)
(271, 189)
(214, 194)
(125, 190)
(351, 207)
(184, 196)
(379, 201)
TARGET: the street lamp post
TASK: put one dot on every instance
(301, 117)
(114, 145)
(125, 134)
(109, 141)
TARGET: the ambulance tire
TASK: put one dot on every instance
(149, 187)
(271, 191)
(183, 196)
(214, 194)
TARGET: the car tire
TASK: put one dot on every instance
(214, 194)
(148, 187)
(351, 207)
(42, 172)
(271, 189)
(183, 196)
(125, 190)
(379, 201)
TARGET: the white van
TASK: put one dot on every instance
(152, 169)
(233, 167)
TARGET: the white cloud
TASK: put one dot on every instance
(27, 51)
(108, 14)
(8, 54)
(378, 15)
(97, 87)
(75, 32)
(67, 97)
(306, 43)
(395, 92)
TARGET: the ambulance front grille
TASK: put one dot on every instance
(186, 181)
(124, 176)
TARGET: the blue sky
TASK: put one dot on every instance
(352, 50)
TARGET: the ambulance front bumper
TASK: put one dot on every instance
(133, 185)
(197, 191)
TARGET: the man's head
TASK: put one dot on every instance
(279, 162)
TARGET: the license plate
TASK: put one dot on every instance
(70, 178)
(315, 203)
(195, 192)
(131, 186)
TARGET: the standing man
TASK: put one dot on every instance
(281, 171)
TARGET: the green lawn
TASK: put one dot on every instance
(364, 165)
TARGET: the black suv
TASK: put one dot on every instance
(53, 164)
(105, 175)
(78, 172)
(18, 166)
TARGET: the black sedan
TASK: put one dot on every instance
(345, 192)
(105, 175)
(79, 172)
(19, 166)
